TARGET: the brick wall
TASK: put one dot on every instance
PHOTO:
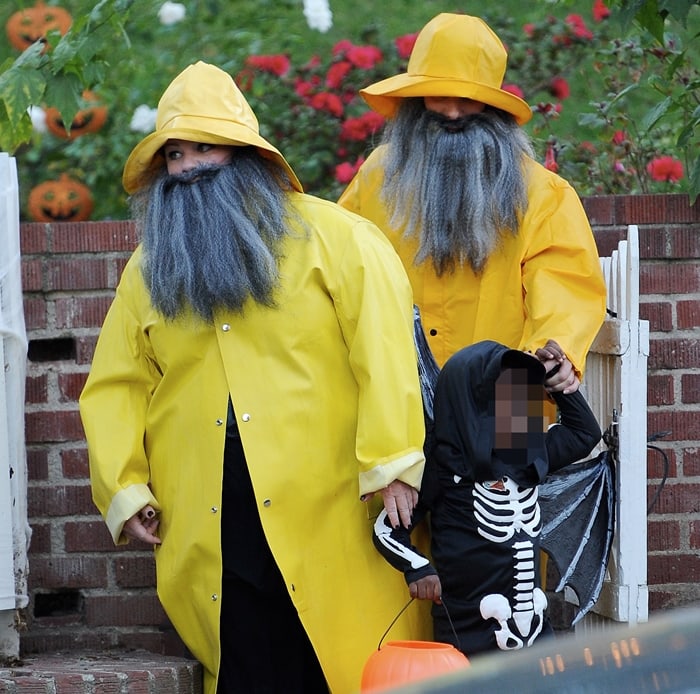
(85, 593)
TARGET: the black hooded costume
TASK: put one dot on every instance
(484, 514)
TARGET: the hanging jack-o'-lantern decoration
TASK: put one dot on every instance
(89, 119)
(61, 200)
(31, 24)
(397, 663)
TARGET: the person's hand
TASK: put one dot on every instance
(399, 501)
(427, 588)
(143, 525)
(563, 378)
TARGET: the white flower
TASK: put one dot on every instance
(144, 119)
(171, 13)
(318, 15)
(38, 116)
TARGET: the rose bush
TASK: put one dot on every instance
(613, 111)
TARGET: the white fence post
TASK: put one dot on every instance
(616, 388)
(14, 528)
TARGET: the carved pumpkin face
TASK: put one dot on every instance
(31, 24)
(62, 200)
(88, 120)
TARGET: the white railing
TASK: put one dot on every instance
(14, 528)
(616, 388)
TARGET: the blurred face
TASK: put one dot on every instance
(518, 409)
(182, 155)
(453, 107)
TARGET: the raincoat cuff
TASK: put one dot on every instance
(408, 468)
(125, 503)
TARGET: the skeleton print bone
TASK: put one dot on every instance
(504, 510)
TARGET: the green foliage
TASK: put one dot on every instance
(619, 80)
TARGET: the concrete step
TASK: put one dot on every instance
(137, 672)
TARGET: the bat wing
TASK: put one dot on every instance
(577, 504)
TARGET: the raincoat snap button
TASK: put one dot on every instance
(219, 422)
(267, 502)
(433, 331)
(226, 327)
(214, 509)
(245, 417)
(214, 597)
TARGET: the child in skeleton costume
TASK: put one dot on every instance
(486, 458)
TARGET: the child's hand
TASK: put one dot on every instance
(427, 588)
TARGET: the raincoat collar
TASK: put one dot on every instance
(454, 55)
(202, 104)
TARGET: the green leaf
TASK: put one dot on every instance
(20, 89)
(63, 92)
(694, 190)
(15, 133)
(653, 116)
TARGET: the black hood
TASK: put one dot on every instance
(464, 419)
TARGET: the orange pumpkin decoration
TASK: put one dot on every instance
(87, 120)
(31, 24)
(62, 200)
(403, 662)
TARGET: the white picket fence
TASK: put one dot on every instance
(616, 388)
(14, 528)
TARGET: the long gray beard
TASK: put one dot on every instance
(214, 242)
(456, 192)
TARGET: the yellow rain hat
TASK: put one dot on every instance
(454, 55)
(202, 104)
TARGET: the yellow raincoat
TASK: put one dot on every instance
(326, 393)
(545, 283)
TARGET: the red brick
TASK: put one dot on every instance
(93, 237)
(70, 386)
(606, 239)
(85, 348)
(62, 425)
(683, 242)
(41, 538)
(134, 609)
(652, 243)
(673, 353)
(64, 274)
(694, 539)
(60, 500)
(36, 389)
(690, 388)
(34, 313)
(669, 278)
(33, 238)
(660, 390)
(37, 464)
(135, 572)
(663, 535)
(82, 312)
(691, 462)
(688, 313)
(677, 497)
(674, 568)
(656, 465)
(658, 313)
(72, 571)
(600, 209)
(683, 425)
(74, 463)
(91, 536)
(32, 275)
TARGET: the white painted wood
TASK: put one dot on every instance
(616, 388)
(14, 528)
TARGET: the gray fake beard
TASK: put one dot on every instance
(212, 237)
(457, 187)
